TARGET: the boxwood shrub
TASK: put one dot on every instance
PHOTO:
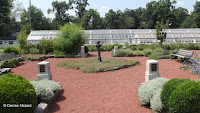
(14, 89)
(168, 88)
(11, 49)
(10, 64)
(185, 98)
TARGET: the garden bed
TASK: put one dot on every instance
(93, 66)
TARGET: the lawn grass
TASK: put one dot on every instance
(33, 56)
(92, 65)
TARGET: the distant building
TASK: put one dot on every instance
(120, 36)
(8, 42)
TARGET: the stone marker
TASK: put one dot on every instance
(83, 51)
(44, 71)
(152, 70)
(115, 50)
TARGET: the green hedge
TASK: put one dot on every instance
(185, 98)
(14, 89)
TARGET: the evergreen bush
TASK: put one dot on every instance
(185, 98)
(147, 90)
(138, 53)
(11, 49)
(33, 50)
(14, 89)
(168, 88)
(147, 51)
(10, 64)
(153, 56)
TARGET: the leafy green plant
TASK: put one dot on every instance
(70, 39)
(168, 88)
(147, 51)
(92, 48)
(33, 51)
(47, 46)
(14, 89)
(185, 98)
(141, 47)
(10, 64)
(159, 50)
(138, 53)
(11, 49)
(153, 56)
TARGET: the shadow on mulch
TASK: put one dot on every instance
(55, 107)
(91, 55)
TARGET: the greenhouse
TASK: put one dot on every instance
(120, 36)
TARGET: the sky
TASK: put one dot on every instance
(103, 6)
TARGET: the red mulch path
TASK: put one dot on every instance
(105, 92)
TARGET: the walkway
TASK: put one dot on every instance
(106, 92)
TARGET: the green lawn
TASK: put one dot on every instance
(92, 65)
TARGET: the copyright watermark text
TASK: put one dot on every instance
(17, 105)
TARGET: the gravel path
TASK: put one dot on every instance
(105, 92)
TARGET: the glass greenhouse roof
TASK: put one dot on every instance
(121, 35)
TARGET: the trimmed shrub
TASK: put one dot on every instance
(10, 50)
(185, 98)
(156, 103)
(33, 51)
(43, 91)
(55, 87)
(147, 51)
(10, 64)
(106, 47)
(123, 53)
(158, 50)
(14, 89)
(168, 88)
(147, 90)
(153, 56)
(138, 53)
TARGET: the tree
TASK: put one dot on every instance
(156, 11)
(38, 20)
(70, 39)
(91, 20)
(61, 17)
(111, 20)
(160, 30)
(80, 7)
(21, 38)
(5, 11)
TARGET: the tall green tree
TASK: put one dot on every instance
(80, 7)
(5, 12)
(111, 19)
(38, 20)
(156, 11)
(91, 20)
(60, 9)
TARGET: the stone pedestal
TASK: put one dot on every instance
(44, 71)
(115, 50)
(83, 52)
(152, 70)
